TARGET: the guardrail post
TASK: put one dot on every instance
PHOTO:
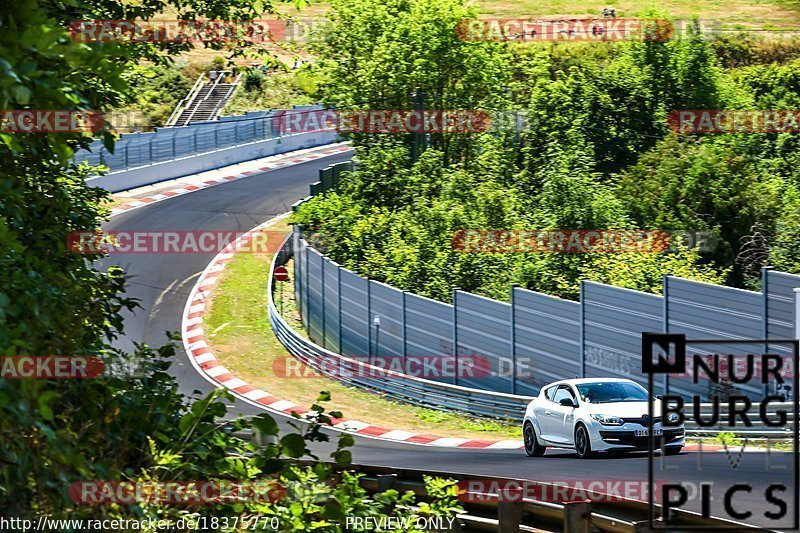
(513, 340)
(582, 339)
(509, 511)
(127, 149)
(578, 517)
(386, 481)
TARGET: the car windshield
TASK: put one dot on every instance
(611, 391)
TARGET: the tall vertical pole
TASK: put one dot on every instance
(765, 315)
(455, 334)
(419, 139)
(513, 340)
(665, 319)
(797, 315)
(369, 323)
(322, 292)
(405, 345)
(308, 292)
(339, 305)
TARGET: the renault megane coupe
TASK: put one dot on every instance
(592, 414)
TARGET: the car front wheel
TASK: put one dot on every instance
(582, 444)
(532, 446)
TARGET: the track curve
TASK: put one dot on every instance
(163, 282)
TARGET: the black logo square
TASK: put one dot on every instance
(669, 350)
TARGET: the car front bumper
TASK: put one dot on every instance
(625, 437)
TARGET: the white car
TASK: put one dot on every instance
(592, 414)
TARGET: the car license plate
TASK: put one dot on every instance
(645, 432)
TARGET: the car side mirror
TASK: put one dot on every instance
(567, 402)
(658, 396)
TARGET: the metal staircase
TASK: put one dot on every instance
(206, 99)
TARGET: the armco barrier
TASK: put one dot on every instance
(410, 389)
(536, 338)
(453, 398)
(168, 153)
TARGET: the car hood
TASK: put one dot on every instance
(623, 409)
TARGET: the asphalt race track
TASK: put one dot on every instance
(162, 283)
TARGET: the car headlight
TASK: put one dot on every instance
(608, 420)
(673, 418)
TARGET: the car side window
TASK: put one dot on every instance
(563, 392)
(549, 393)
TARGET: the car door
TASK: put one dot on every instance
(559, 417)
(541, 409)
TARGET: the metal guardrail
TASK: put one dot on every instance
(598, 512)
(539, 337)
(409, 389)
(453, 398)
(136, 150)
(594, 514)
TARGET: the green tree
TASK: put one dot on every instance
(377, 52)
(134, 426)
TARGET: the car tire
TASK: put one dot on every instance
(583, 445)
(672, 450)
(532, 446)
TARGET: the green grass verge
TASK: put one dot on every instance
(239, 334)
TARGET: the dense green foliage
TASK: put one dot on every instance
(275, 89)
(596, 154)
(132, 424)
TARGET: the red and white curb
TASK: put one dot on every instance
(206, 363)
(257, 166)
(211, 368)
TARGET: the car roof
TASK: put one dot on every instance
(579, 381)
